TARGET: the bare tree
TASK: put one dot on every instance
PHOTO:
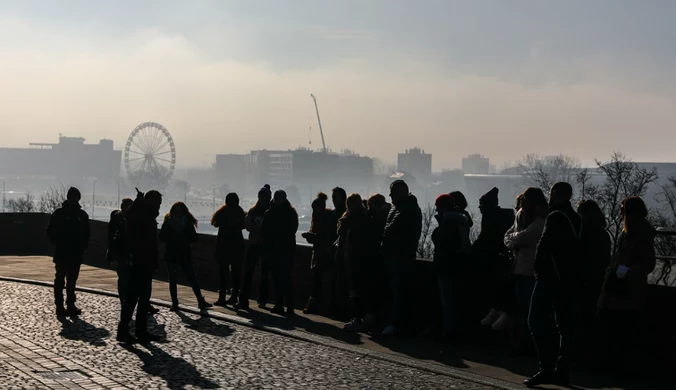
(544, 172)
(425, 245)
(25, 204)
(52, 198)
(623, 178)
(665, 245)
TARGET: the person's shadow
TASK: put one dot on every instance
(78, 329)
(206, 325)
(177, 372)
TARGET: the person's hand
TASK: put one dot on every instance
(622, 271)
(139, 194)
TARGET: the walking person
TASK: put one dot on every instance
(522, 239)
(557, 272)
(279, 238)
(400, 244)
(229, 219)
(623, 296)
(68, 231)
(321, 236)
(143, 253)
(116, 253)
(179, 232)
(253, 224)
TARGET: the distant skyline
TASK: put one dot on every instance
(500, 78)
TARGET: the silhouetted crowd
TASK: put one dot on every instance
(542, 274)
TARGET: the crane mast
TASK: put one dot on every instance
(319, 121)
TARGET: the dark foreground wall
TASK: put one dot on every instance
(24, 234)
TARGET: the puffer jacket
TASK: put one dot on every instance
(402, 231)
(636, 250)
(522, 239)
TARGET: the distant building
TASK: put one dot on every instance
(476, 164)
(417, 163)
(69, 159)
(230, 169)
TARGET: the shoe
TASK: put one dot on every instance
(262, 305)
(125, 337)
(502, 322)
(204, 304)
(174, 308)
(561, 378)
(220, 302)
(242, 306)
(278, 310)
(61, 311)
(354, 326)
(73, 311)
(541, 378)
(388, 331)
(233, 299)
(290, 313)
(311, 307)
(146, 337)
(153, 310)
(492, 316)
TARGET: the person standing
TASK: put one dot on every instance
(253, 223)
(143, 252)
(279, 238)
(557, 273)
(68, 231)
(116, 253)
(400, 245)
(179, 232)
(321, 236)
(623, 296)
(522, 239)
(353, 244)
(229, 219)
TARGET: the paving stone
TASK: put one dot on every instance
(199, 353)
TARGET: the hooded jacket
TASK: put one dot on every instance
(451, 242)
(402, 230)
(68, 231)
(494, 225)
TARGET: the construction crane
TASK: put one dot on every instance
(321, 131)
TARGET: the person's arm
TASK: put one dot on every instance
(192, 234)
(527, 237)
(550, 234)
(112, 229)
(509, 243)
(86, 234)
(647, 260)
(54, 227)
(165, 231)
(250, 222)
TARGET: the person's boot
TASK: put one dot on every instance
(146, 337)
(541, 378)
(123, 336)
(61, 311)
(311, 307)
(221, 299)
(73, 311)
(242, 305)
(278, 309)
(203, 304)
(174, 307)
(561, 377)
(153, 310)
(233, 298)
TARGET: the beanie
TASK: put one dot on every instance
(266, 190)
(445, 202)
(490, 197)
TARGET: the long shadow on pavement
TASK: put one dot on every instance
(78, 329)
(206, 325)
(176, 372)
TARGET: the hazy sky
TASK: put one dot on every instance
(503, 78)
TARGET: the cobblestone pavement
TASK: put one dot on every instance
(38, 351)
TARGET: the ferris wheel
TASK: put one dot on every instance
(150, 155)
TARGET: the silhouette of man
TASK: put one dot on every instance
(142, 246)
(400, 246)
(68, 231)
(556, 272)
(116, 254)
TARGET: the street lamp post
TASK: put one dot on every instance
(213, 197)
(93, 199)
(3, 196)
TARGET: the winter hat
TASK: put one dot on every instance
(266, 190)
(74, 194)
(397, 183)
(445, 202)
(490, 197)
